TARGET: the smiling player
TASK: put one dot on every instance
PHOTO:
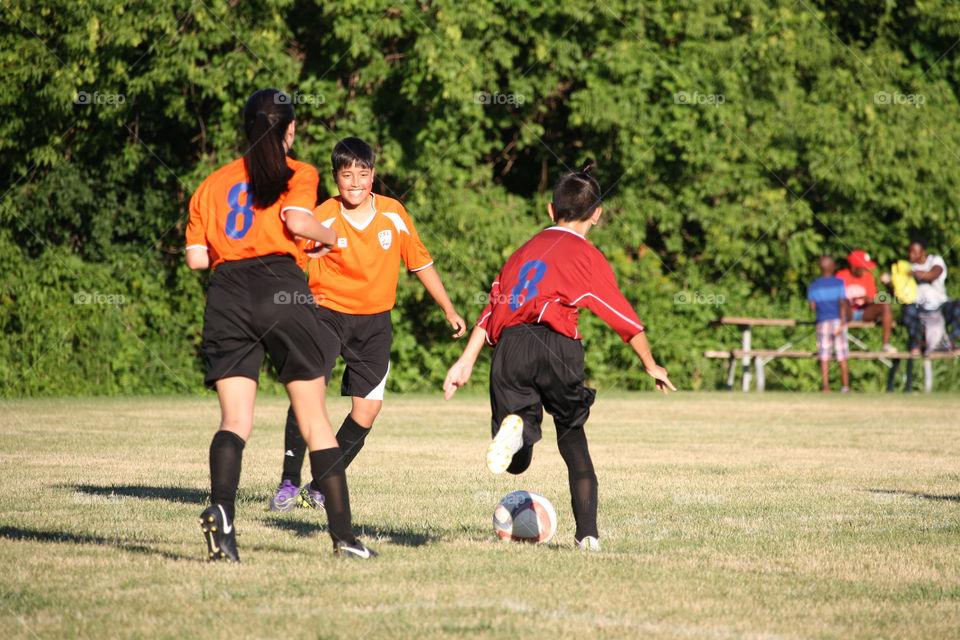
(355, 287)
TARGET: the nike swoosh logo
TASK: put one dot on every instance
(360, 554)
(227, 525)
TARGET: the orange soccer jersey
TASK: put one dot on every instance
(223, 219)
(359, 276)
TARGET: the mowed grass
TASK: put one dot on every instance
(722, 515)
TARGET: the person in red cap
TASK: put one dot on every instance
(862, 292)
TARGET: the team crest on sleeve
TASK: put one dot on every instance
(386, 238)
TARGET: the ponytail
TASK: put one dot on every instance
(266, 116)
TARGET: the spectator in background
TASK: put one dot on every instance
(827, 296)
(930, 272)
(861, 291)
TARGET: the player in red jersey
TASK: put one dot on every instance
(244, 221)
(531, 321)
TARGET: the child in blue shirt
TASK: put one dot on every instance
(828, 299)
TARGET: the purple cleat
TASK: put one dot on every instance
(286, 497)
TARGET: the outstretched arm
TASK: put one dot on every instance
(434, 286)
(655, 371)
(301, 223)
(459, 373)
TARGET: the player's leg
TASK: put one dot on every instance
(572, 443)
(366, 352)
(292, 337)
(560, 379)
(307, 397)
(516, 410)
(237, 395)
(233, 356)
(289, 493)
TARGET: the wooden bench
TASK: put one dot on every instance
(761, 357)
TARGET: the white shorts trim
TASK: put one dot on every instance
(377, 392)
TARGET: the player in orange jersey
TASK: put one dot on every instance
(355, 287)
(244, 221)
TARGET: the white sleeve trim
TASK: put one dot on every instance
(421, 268)
(198, 246)
(397, 221)
(623, 317)
(283, 212)
(328, 222)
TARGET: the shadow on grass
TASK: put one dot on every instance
(33, 535)
(914, 494)
(172, 494)
(302, 528)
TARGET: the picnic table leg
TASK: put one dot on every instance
(927, 375)
(746, 359)
(909, 385)
(761, 382)
(892, 376)
(731, 373)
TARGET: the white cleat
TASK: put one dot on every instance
(589, 543)
(507, 442)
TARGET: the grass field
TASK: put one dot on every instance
(721, 515)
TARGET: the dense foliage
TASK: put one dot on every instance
(736, 142)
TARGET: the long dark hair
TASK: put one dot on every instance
(577, 194)
(266, 116)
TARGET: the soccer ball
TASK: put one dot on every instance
(525, 516)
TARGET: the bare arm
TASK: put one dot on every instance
(655, 371)
(434, 286)
(301, 223)
(459, 373)
(198, 258)
(928, 276)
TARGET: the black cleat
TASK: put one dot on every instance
(356, 550)
(220, 534)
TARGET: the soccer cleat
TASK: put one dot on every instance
(357, 550)
(310, 497)
(888, 348)
(286, 498)
(588, 543)
(219, 533)
(507, 442)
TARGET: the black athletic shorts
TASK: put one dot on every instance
(256, 306)
(536, 368)
(364, 342)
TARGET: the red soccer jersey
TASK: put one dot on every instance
(224, 221)
(547, 281)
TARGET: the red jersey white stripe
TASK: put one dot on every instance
(547, 281)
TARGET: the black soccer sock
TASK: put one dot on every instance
(294, 448)
(572, 443)
(330, 478)
(351, 438)
(226, 455)
(521, 460)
